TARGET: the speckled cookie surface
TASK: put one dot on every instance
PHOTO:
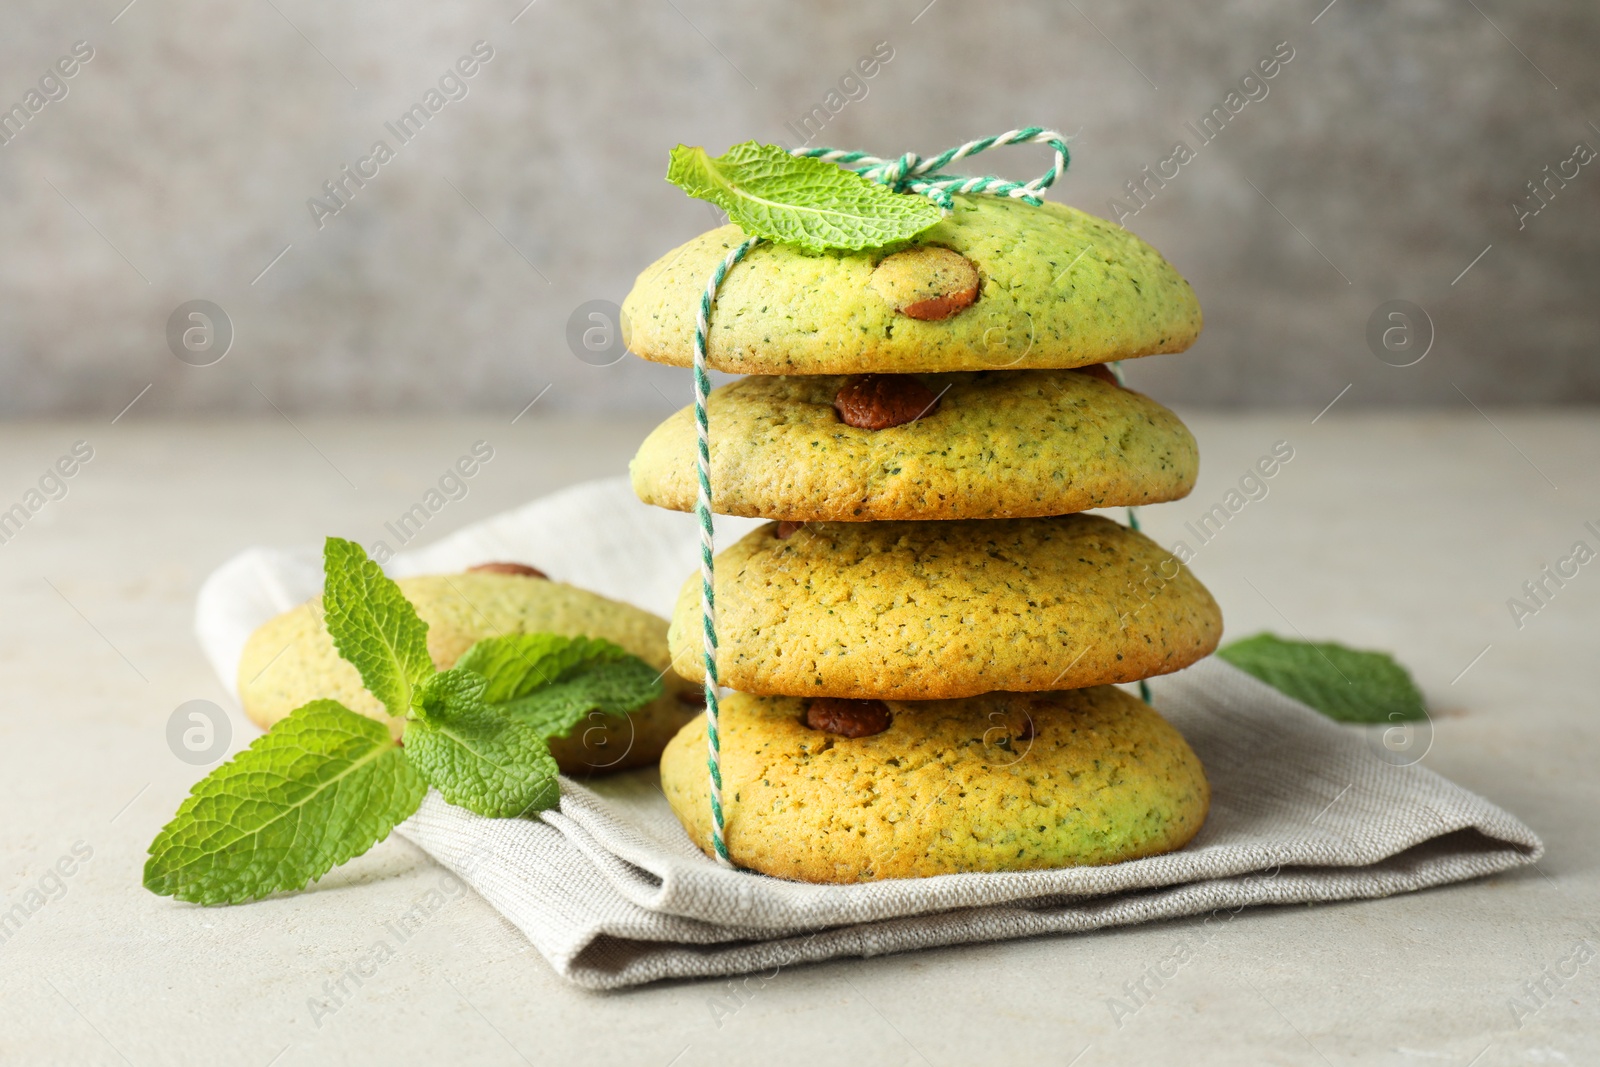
(998, 445)
(950, 786)
(291, 659)
(1058, 288)
(932, 610)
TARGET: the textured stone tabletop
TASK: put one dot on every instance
(1404, 532)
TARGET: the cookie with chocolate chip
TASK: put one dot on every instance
(1015, 444)
(935, 610)
(997, 284)
(291, 659)
(1002, 782)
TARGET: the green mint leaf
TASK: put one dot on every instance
(1343, 683)
(374, 626)
(614, 688)
(800, 201)
(552, 682)
(319, 788)
(474, 754)
(514, 665)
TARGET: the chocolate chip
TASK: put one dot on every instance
(848, 718)
(786, 529)
(879, 401)
(508, 568)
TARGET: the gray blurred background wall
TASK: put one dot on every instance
(1386, 161)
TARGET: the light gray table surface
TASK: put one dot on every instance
(1407, 532)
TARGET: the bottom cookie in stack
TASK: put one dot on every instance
(826, 790)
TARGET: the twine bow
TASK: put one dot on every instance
(909, 173)
(912, 173)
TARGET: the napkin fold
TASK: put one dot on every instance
(612, 893)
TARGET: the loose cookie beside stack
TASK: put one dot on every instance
(923, 645)
(291, 659)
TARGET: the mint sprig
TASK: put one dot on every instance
(1346, 684)
(799, 200)
(325, 784)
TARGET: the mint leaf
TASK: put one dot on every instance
(553, 682)
(476, 755)
(800, 201)
(373, 625)
(609, 688)
(516, 664)
(321, 787)
(1343, 683)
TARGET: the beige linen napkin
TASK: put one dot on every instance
(611, 892)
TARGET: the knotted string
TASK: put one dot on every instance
(909, 173)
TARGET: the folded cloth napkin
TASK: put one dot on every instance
(610, 890)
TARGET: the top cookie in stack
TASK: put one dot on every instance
(1047, 287)
(917, 423)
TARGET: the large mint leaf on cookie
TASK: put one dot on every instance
(799, 201)
(1343, 683)
(552, 682)
(474, 754)
(321, 787)
(374, 626)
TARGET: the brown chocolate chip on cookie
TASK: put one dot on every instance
(926, 283)
(1101, 371)
(508, 568)
(848, 718)
(879, 401)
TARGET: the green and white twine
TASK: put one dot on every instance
(909, 173)
(702, 512)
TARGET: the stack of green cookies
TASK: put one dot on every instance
(925, 641)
